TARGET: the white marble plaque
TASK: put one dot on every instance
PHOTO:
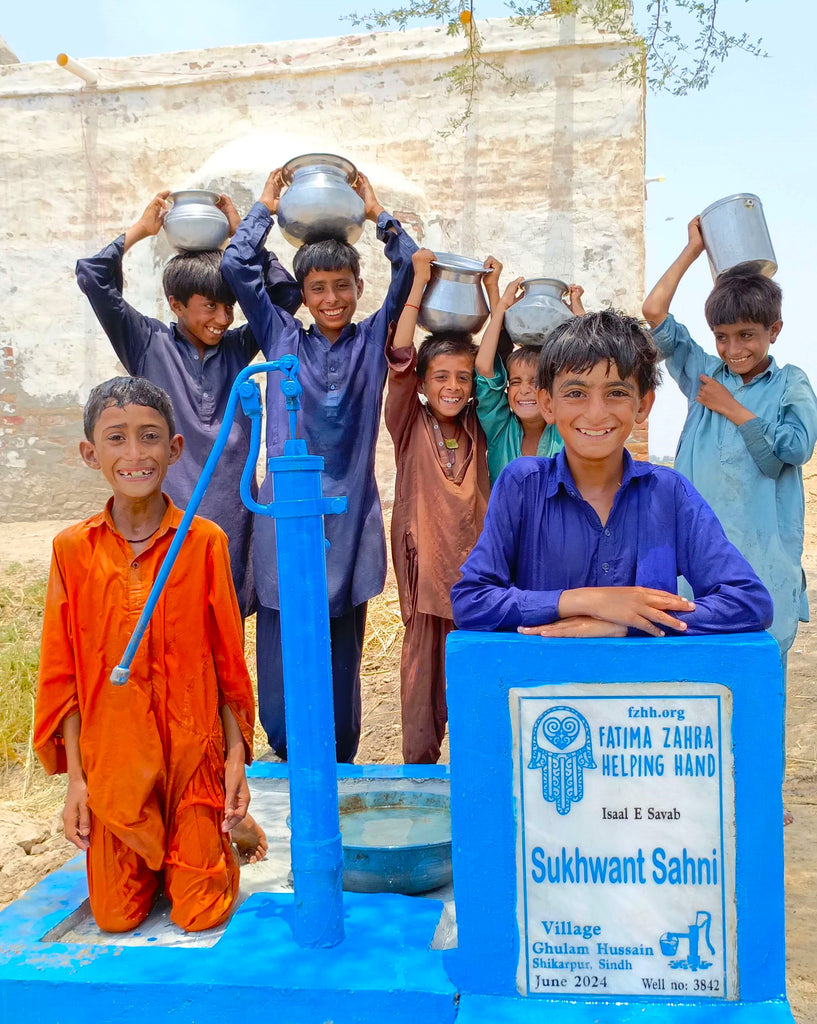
(625, 830)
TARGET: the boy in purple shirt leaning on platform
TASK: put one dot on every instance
(343, 372)
(195, 361)
(590, 543)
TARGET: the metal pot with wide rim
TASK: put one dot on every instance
(454, 299)
(540, 309)
(194, 222)
(319, 201)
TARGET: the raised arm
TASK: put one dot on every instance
(491, 280)
(399, 249)
(100, 279)
(486, 356)
(243, 268)
(371, 204)
(574, 300)
(421, 261)
(657, 304)
(150, 222)
(280, 285)
(402, 400)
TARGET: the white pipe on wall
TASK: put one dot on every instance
(76, 68)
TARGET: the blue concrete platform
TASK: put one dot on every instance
(475, 1009)
(384, 969)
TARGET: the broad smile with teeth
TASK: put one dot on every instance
(135, 474)
(594, 433)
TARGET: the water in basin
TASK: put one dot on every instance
(385, 826)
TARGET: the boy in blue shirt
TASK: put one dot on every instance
(750, 426)
(590, 543)
(195, 361)
(343, 372)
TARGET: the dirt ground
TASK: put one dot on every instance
(31, 844)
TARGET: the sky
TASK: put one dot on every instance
(751, 130)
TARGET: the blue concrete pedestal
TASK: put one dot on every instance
(509, 781)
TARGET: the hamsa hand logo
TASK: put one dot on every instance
(561, 747)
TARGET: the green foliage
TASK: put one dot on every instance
(678, 46)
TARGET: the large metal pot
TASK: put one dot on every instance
(395, 840)
(194, 221)
(734, 231)
(454, 299)
(539, 310)
(319, 201)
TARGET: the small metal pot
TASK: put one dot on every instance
(319, 201)
(734, 231)
(194, 222)
(539, 310)
(454, 299)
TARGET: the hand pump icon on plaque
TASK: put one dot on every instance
(693, 961)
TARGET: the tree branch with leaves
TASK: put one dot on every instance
(681, 42)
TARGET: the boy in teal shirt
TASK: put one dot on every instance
(750, 426)
(507, 406)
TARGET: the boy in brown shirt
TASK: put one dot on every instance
(440, 499)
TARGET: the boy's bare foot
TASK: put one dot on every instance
(249, 839)
(788, 818)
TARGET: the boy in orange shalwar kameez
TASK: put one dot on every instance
(440, 498)
(155, 767)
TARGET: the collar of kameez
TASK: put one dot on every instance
(770, 369)
(170, 520)
(347, 332)
(468, 424)
(564, 478)
(189, 347)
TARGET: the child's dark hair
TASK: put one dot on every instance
(196, 273)
(742, 294)
(328, 254)
(526, 355)
(122, 391)
(444, 343)
(606, 336)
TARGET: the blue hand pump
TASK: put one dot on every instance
(298, 507)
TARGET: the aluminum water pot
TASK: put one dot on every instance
(194, 222)
(319, 201)
(734, 231)
(454, 299)
(539, 310)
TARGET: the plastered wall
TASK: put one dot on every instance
(549, 179)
